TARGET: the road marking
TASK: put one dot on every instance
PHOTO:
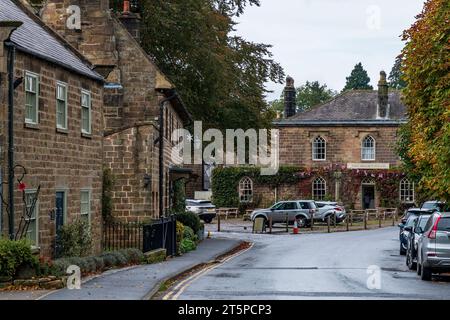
(182, 286)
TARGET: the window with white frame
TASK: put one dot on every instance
(368, 148)
(406, 191)
(319, 149)
(246, 190)
(61, 105)
(319, 188)
(31, 97)
(86, 112)
(32, 217)
(85, 206)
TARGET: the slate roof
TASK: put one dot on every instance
(356, 107)
(34, 38)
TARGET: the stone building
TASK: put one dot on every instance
(132, 93)
(341, 150)
(57, 133)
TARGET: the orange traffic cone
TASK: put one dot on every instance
(295, 227)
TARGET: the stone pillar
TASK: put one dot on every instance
(289, 98)
(337, 179)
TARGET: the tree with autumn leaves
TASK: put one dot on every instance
(425, 140)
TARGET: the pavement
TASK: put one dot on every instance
(317, 266)
(135, 283)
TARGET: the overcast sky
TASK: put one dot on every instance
(323, 39)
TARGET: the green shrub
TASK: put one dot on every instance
(132, 255)
(99, 263)
(189, 219)
(75, 239)
(187, 245)
(13, 255)
(188, 233)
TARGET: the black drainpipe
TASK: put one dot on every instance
(11, 58)
(161, 151)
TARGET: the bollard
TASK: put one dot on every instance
(218, 222)
(328, 223)
(334, 220)
(312, 221)
(270, 225)
(379, 220)
(393, 219)
(347, 220)
(351, 219)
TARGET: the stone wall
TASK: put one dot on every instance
(55, 160)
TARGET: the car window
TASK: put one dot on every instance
(320, 205)
(444, 224)
(429, 205)
(411, 220)
(278, 206)
(304, 205)
(429, 224)
(190, 203)
(290, 206)
(423, 222)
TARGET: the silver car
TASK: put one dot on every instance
(433, 254)
(298, 210)
(329, 209)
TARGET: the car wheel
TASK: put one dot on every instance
(402, 250)
(207, 220)
(426, 274)
(410, 261)
(301, 221)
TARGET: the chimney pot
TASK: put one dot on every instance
(126, 6)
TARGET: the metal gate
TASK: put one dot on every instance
(161, 234)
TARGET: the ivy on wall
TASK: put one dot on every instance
(225, 182)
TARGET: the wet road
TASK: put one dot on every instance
(317, 266)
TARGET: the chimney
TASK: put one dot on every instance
(383, 98)
(289, 98)
(131, 21)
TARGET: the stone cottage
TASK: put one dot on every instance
(345, 149)
(52, 152)
(132, 94)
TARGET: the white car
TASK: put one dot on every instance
(204, 208)
(329, 209)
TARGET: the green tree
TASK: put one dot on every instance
(220, 76)
(358, 79)
(312, 94)
(427, 95)
(396, 75)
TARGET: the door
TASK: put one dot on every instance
(368, 196)
(443, 238)
(59, 219)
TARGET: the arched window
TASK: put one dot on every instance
(406, 191)
(368, 148)
(246, 190)
(319, 149)
(319, 188)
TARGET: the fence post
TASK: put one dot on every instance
(393, 218)
(287, 222)
(365, 220)
(312, 220)
(328, 223)
(218, 222)
(270, 225)
(379, 220)
(347, 222)
(334, 220)
(351, 218)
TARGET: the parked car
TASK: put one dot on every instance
(328, 208)
(433, 254)
(436, 206)
(297, 210)
(205, 209)
(412, 213)
(406, 229)
(415, 232)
